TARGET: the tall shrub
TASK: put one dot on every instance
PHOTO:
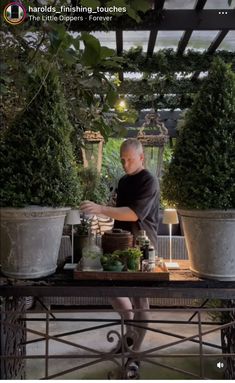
(201, 174)
(38, 167)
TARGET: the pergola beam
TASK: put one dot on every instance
(212, 48)
(119, 42)
(184, 41)
(200, 4)
(217, 41)
(119, 47)
(152, 41)
(187, 34)
(158, 5)
(165, 20)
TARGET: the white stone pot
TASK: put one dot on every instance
(210, 241)
(30, 240)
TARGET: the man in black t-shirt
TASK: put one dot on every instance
(136, 209)
(140, 192)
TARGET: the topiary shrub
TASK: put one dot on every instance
(37, 162)
(201, 174)
(93, 185)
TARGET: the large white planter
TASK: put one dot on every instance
(30, 240)
(210, 241)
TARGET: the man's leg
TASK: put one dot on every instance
(137, 334)
(123, 303)
(132, 365)
(140, 303)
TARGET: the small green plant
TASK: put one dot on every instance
(84, 227)
(110, 259)
(129, 258)
(131, 253)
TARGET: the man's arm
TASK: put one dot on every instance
(118, 213)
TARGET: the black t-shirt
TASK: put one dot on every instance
(140, 192)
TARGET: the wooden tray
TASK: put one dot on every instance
(160, 273)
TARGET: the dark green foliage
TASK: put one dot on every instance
(93, 186)
(167, 60)
(38, 167)
(111, 166)
(129, 258)
(201, 174)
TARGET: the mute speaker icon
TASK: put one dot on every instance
(220, 364)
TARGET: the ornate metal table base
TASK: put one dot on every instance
(228, 340)
(13, 337)
(13, 341)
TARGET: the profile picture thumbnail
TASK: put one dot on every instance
(14, 13)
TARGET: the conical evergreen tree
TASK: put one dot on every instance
(201, 174)
(38, 167)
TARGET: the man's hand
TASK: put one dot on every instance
(89, 207)
(118, 213)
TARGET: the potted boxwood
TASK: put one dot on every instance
(200, 180)
(38, 175)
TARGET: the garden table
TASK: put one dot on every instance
(181, 284)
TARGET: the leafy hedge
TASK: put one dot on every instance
(201, 174)
(37, 162)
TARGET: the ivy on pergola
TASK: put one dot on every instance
(167, 80)
(168, 61)
(167, 90)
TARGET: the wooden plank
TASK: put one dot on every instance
(184, 41)
(187, 34)
(159, 274)
(217, 41)
(212, 48)
(119, 42)
(200, 4)
(158, 5)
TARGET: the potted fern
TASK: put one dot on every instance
(200, 180)
(39, 180)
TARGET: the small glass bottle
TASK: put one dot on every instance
(140, 239)
(91, 254)
(145, 249)
(152, 257)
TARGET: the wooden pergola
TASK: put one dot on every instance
(161, 17)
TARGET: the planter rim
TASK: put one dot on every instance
(210, 213)
(31, 239)
(32, 212)
(33, 208)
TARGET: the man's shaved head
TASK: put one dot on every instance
(132, 143)
(132, 156)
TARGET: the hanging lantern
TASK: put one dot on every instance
(92, 150)
(153, 144)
